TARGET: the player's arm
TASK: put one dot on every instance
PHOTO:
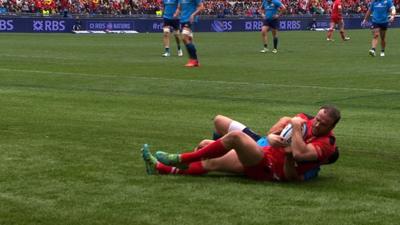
(262, 10)
(300, 150)
(278, 126)
(273, 136)
(392, 13)
(281, 10)
(289, 166)
(199, 9)
(366, 17)
(178, 10)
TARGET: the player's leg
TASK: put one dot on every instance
(342, 31)
(187, 36)
(222, 124)
(149, 160)
(154, 167)
(166, 34)
(227, 163)
(177, 35)
(191, 168)
(382, 34)
(330, 31)
(275, 39)
(374, 42)
(203, 144)
(248, 151)
(264, 37)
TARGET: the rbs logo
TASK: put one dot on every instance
(157, 26)
(48, 25)
(252, 25)
(290, 25)
(221, 26)
(6, 25)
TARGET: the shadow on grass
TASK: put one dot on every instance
(322, 181)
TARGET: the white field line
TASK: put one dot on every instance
(127, 76)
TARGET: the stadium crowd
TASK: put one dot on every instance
(218, 8)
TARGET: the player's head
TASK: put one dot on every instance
(325, 120)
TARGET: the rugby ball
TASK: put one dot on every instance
(287, 132)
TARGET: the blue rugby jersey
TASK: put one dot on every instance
(380, 10)
(271, 8)
(188, 7)
(169, 8)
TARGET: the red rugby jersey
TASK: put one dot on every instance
(337, 9)
(325, 147)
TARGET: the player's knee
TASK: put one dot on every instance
(176, 32)
(204, 143)
(186, 41)
(210, 165)
(220, 124)
(187, 32)
(236, 135)
(166, 30)
(218, 119)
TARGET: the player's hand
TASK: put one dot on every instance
(191, 19)
(391, 19)
(297, 122)
(288, 150)
(363, 23)
(275, 140)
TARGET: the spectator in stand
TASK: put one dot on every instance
(3, 9)
(219, 8)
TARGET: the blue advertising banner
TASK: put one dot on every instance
(110, 25)
(48, 25)
(35, 25)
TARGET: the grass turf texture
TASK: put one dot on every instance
(75, 111)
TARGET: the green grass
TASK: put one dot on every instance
(75, 111)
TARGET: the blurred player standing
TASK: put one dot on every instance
(170, 24)
(188, 10)
(336, 18)
(380, 20)
(271, 10)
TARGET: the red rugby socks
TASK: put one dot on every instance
(213, 150)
